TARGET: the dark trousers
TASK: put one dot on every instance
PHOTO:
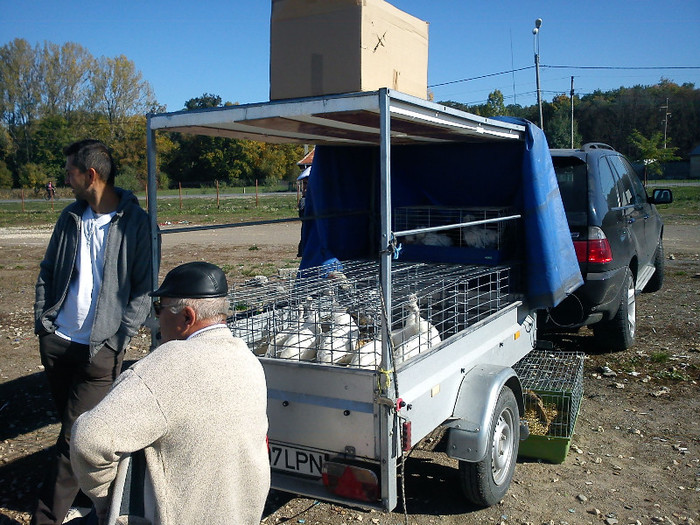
(77, 385)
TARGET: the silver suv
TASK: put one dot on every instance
(618, 236)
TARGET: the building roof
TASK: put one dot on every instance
(308, 158)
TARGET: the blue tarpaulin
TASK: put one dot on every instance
(343, 195)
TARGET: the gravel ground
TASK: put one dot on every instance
(634, 457)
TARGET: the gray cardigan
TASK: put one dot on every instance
(198, 410)
(123, 303)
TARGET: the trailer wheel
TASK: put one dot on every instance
(486, 482)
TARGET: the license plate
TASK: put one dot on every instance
(300, 461)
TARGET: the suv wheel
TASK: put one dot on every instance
(657, 280)
(618, 333)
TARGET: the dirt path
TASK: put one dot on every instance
(680, 238)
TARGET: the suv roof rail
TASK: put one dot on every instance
(596, 145)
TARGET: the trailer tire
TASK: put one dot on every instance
(486, 482)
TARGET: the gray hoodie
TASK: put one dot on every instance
(123, 303)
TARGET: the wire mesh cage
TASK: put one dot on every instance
(553, 389)
(492, 235)
(334, 314)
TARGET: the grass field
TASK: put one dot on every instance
(207, 209)
(202, 210)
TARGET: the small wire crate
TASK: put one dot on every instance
(552, 389)
(334, 315)
(489, 240)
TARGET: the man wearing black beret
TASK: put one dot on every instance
(196, 406)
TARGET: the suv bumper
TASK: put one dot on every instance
(598, 299)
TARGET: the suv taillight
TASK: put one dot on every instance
(596, 249)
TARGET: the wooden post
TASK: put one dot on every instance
(22, 199)
(217, 193)
(256, 193)
(179, 190)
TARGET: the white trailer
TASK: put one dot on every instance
(338, 431)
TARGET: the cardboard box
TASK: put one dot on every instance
(324, 47)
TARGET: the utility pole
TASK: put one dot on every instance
(536, 44)
(572, 112)
(665, 120)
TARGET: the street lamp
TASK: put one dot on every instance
(536, 45)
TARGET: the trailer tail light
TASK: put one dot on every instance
(406, 436)
(351, 482)
(596, 249)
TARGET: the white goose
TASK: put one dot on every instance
(300, 344)
(417, 334)
(336, 345)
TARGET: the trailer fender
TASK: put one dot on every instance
(468, 428)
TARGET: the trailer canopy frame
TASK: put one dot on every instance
(382, 118)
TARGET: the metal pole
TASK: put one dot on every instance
(152, 211)
(539, 93)
(666, 115)
(572, 112)
(387, 430)
(536, 32)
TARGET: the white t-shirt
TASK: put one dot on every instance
(75, 318)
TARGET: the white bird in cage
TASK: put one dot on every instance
(429, 238)
(336, 344)
(368, 355)
(276, 332)
(477, 237)
(436, 239)
(300, 344)
(417, 334)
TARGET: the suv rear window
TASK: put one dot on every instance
(573, 186)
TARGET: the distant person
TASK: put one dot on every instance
(91, 298)
(196, 406)
(50, 190)
(301, 208)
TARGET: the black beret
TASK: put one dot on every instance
(194, 280)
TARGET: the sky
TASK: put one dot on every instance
(185, 49)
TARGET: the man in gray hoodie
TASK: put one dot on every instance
(91, 298)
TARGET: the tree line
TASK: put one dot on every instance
(649, 124)
(53, 94)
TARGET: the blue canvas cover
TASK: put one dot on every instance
(343, 195)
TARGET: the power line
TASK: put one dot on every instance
(622, 67)
(511, 71)
(480, 77)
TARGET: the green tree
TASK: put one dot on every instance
(51, 134)
(207, 100)
(119, 91)
(652, 152)
(495, 105)
(5, 176)
(65, 75)
(128, 179)
(206, 159)
(32, 175)
(558, 126)
(19, 93)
